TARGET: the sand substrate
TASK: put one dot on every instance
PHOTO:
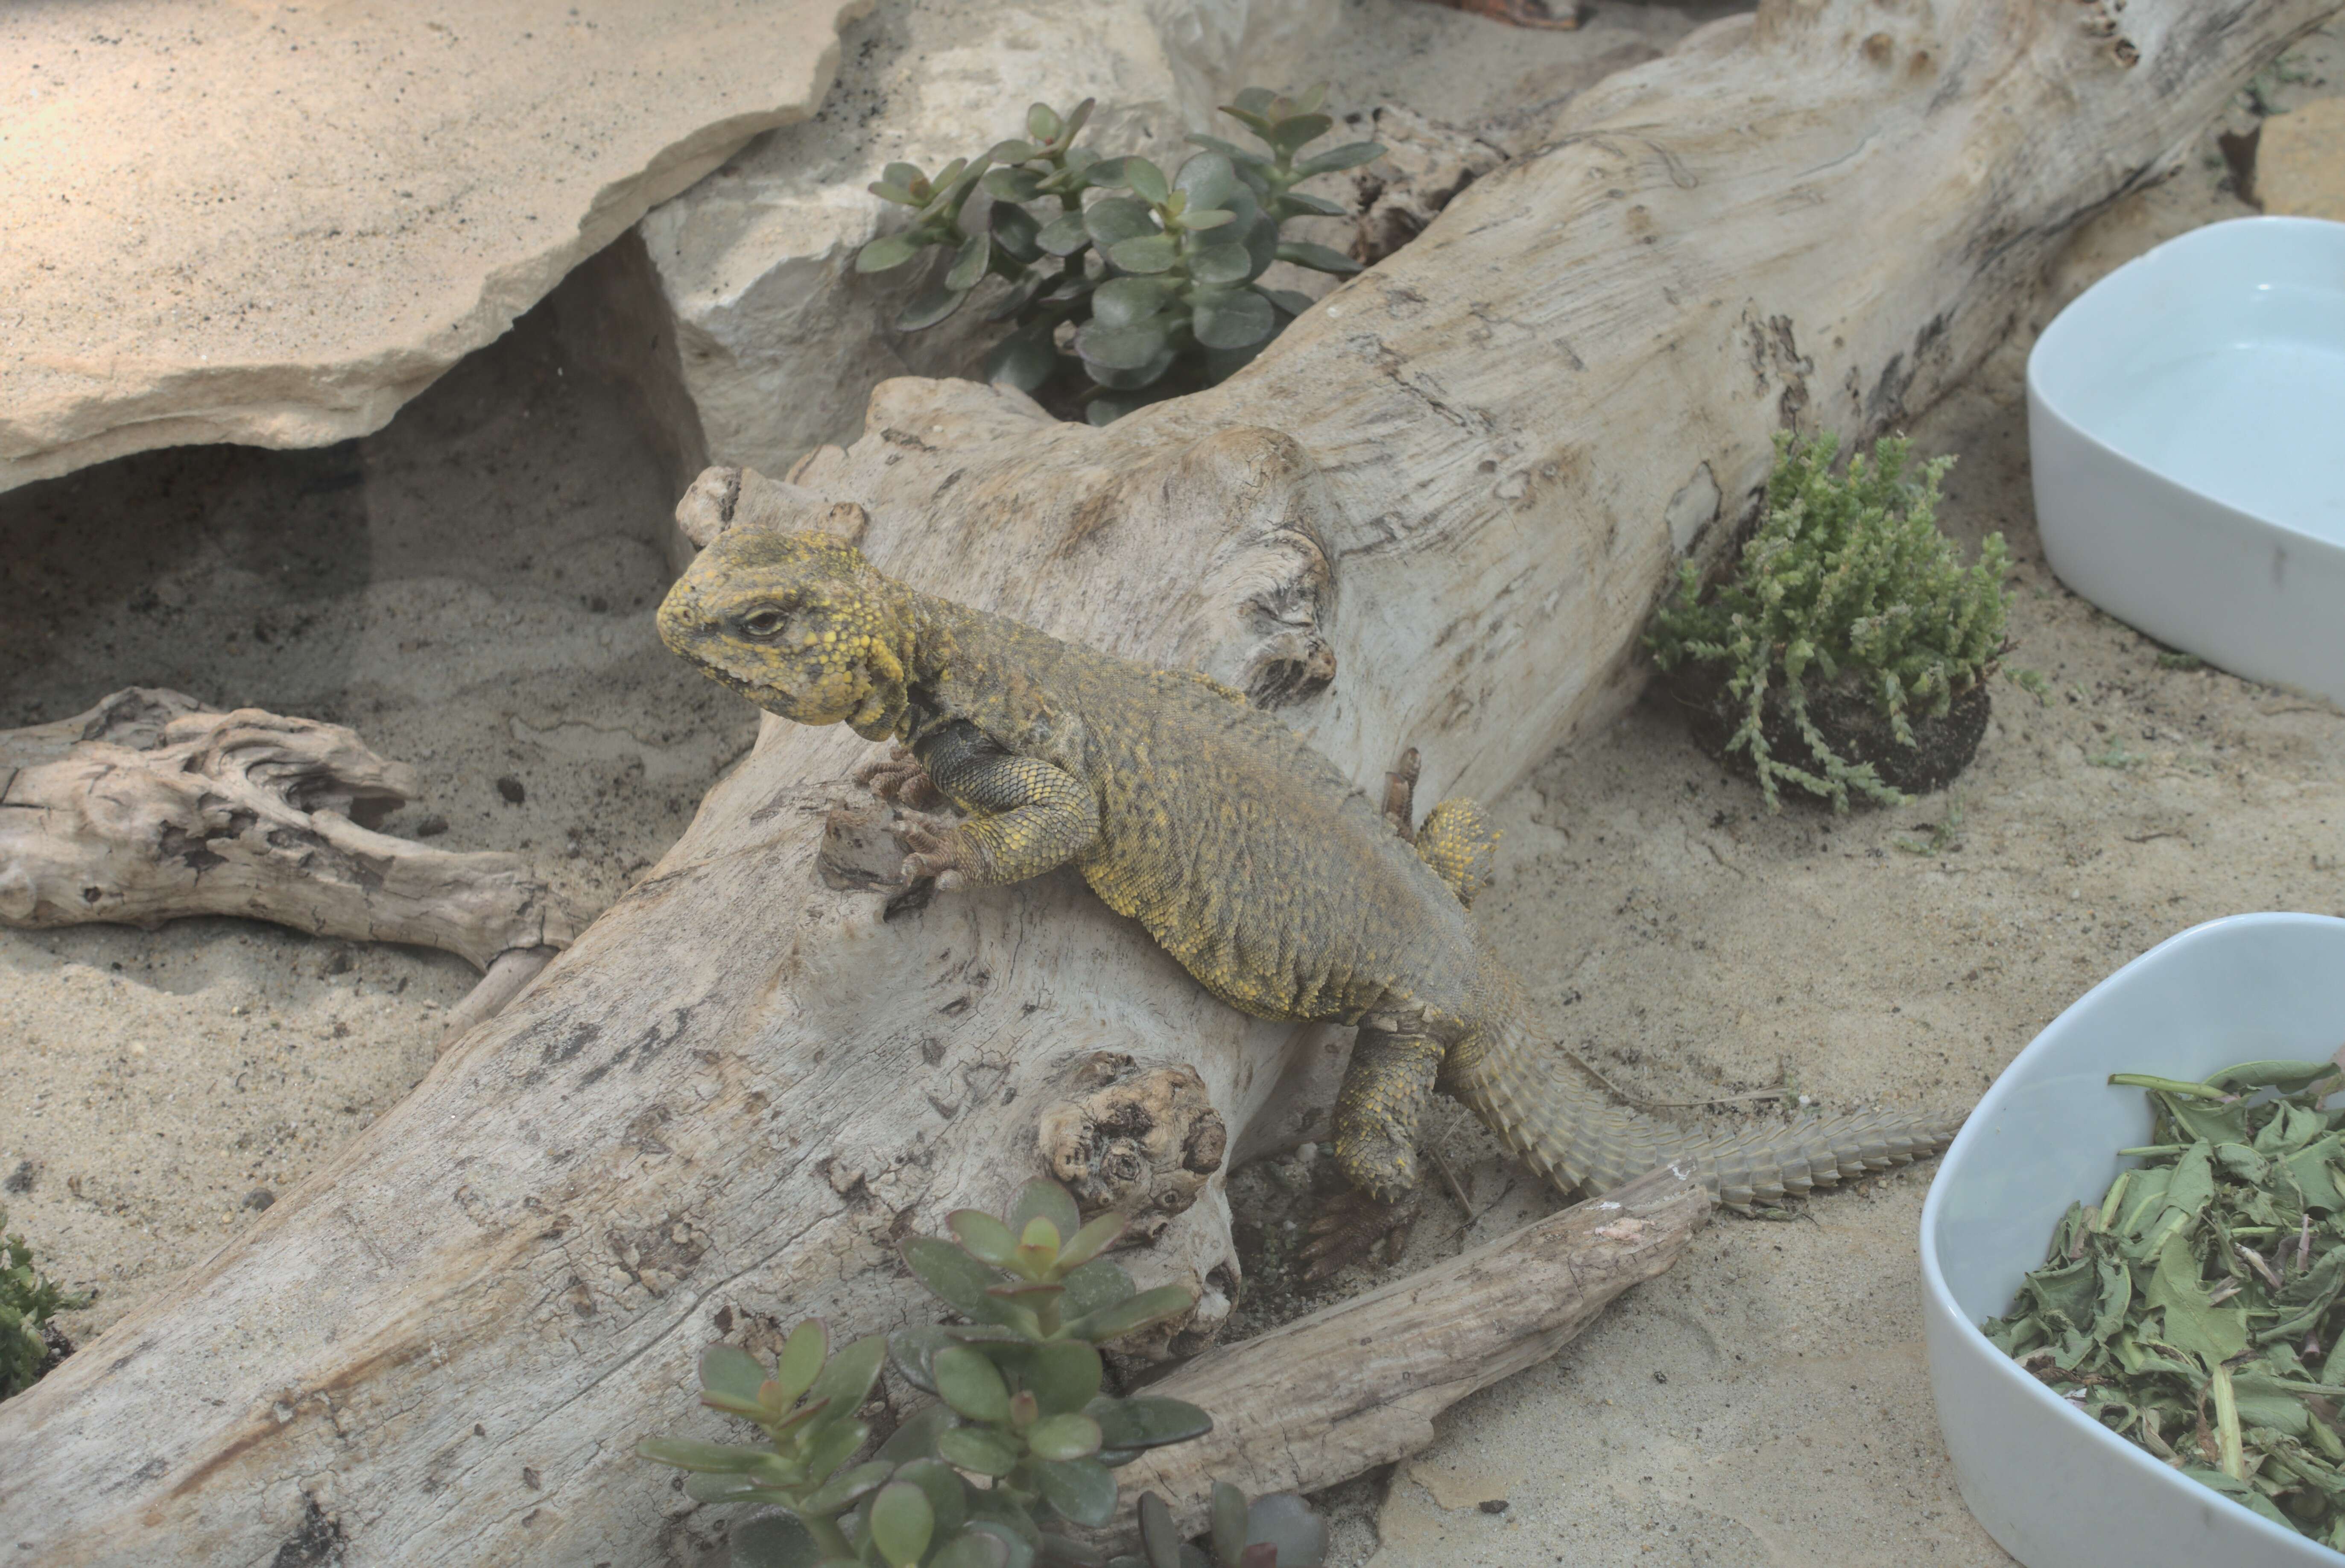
(470, 589)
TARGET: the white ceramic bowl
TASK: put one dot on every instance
(2052, 1485)
(2186, 421)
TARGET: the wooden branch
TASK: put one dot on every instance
(1357, 1385)
(1434, 513)
(150, 808)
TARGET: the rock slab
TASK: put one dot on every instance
(274, 224)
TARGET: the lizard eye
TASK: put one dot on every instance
(765, 622)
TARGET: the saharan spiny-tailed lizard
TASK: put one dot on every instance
(1245, 853)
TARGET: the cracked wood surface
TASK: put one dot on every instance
(1432, 515)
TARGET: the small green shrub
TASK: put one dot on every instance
(1847, 581)
(29, 1300)
(1161, 285)
(1019, 1403)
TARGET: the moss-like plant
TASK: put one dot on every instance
(1019, 1405)
(1847, 583)
(29, 1300)
(1161, 285)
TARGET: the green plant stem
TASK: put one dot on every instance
(826, 1534)
(2227, 1443)
(2168, 1087)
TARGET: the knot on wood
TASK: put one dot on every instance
(1144, 1144)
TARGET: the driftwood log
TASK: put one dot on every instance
(1357, 1385)
(150, 807)
(1434, 514)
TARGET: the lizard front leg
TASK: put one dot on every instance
(1027, 816)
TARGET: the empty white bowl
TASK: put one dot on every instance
(2052, 1486)
(2186, 421)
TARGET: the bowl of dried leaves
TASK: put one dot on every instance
(2164, 1381)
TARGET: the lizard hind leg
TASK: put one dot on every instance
(1458, 842)
(1378, 1112)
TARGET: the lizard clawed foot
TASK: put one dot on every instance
(899, 777)
(933, 848)
(1345, 1230)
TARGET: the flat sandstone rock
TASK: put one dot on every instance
(239, 220)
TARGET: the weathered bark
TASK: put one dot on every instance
(1434, 514)
(150, 807)
(1358, 1384)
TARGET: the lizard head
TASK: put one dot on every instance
(799, 623)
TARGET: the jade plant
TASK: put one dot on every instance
(1125, 285)
(29, 1300)
(1021, 1407)
(1279, 1531)
(1847, 583)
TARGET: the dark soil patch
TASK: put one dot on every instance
(1942, 746)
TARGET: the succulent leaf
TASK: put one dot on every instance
(1236, 155)
(1229, 1522)
(1100, 1284)
(969, 264)
(1218, 266)
(1025, 361)
(1109, 221)
(830, 1447)
(1141, 1311)
(916, 1438)
(712, 1458)
(950, 1274)
(1285, 1523)
(1014, 184)
(1064, 1375)
(1159, 1538)
(1121, 348)
(1064, 1437)
(1351, 155)
(1015, 233)
(1119, 302)
(1150, 253)
(1147, 181)
(1043, 121)
(1096, 1235)
(973, 1448)
(846, 1380)
(801, 1361)
(775, 1540)
(843, 1490)
(984, 1236)
(901, 1523)
(971, 1384)
(1318, 258)
(972, 1549)
(1064, 235)
(930, 309)
(1147, 1421)
(1082, 1490)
